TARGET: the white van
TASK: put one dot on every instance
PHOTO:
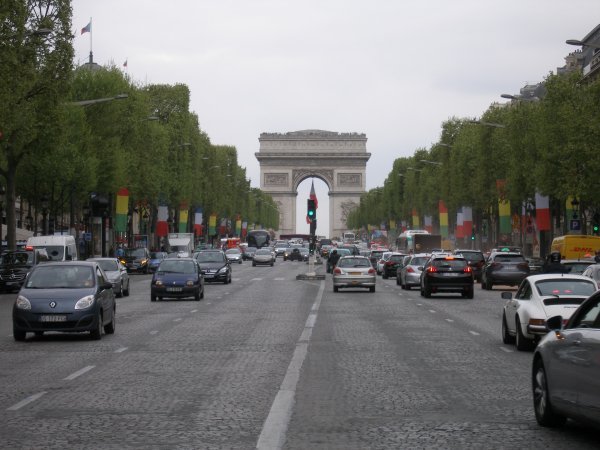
(59, 248)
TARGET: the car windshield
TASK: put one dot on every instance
(419, 261)
(108, 265)
(50, 276)
(210, 257)
(157, 255)
(565, 286)
(233, 251)
(263, 251)
(135, 252)
(177, 266)
(354, 262)
(55, 252)
(18, 258)
(510, 258)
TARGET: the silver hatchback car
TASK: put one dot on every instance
(354, 271)
(409, 274)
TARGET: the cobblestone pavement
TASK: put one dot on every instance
(383, 370)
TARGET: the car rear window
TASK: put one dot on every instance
(472, 256)
(450, 263)
(510, 258)
(421, 261)
(354, 262)
(565, 287)
(397, 258)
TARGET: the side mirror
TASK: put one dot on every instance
(554, 323)
(106, 285)
(506, 295)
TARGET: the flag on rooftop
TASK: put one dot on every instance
(87, 28)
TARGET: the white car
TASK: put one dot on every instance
(380, 263)
(538, 298)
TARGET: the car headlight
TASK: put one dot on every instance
(85, 302)
(158, 283)
(223, 270)
(189, 283)
(22, 303)
(143, 261)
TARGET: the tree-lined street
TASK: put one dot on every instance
(383, 370)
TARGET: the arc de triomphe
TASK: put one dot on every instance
(339, 159)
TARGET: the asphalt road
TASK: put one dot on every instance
(273, 362)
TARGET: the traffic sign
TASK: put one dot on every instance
(87, 237)
(575, 225)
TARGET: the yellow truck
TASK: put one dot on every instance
(576, 246)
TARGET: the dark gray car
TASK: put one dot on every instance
(566, 368)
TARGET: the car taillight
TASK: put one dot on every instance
(468, 269)
(410, 270)
(432, 269)
(390, 263)
(372, 271)
(523, 266)
(537, 322)
(337, 270)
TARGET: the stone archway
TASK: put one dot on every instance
(339, 159)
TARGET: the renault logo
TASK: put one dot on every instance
(52, 304)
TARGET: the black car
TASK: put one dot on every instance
(15, 265)
(295, 255)
(137, 260)
(67, 297)
(390, 267)
(447, 273)
(475, 259)
(177, 278)
(214, 266)
(507, 268)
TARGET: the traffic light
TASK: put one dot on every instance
(596, 224)
(473, 233)
(311, 211)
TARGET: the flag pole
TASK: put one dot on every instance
(91, 33)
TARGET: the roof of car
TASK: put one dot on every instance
(552, 276)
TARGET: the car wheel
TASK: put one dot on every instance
(254, 264)
(544, 414)
(126, 291)
(426, 292)
(197, 296)
(523, 344)
(110, 328)
(385, 276)
(468, 293)
(271, 264)
(19, 335)
(372, 289)
(153, 298)
(506, 337)
(240, 261)
(96, 333)
(422, 292)
(335, 289)
(229, 279)
(482, 284)
(202, 292)
(119, 294)
(488, 285)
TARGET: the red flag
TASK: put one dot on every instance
(313, 195)
(87, 28)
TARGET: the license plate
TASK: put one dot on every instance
(355, 273)
(453, 274)
(53, 318)
(174, 289)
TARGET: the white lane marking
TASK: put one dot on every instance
(256, 279)
(194, 310)
(274, 430)
(78, 373)
(449, 320)
(27, 401)
(419, 304)
(179, 319)
(474, 333)
(235, 279)
(121, 350)
(154, 332)
(432, 311)
(279, 279)
(507, 350)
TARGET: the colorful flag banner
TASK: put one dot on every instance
(392, 224)
(88, 28)
(443, 219)
(183, 217)
(542, 212)
(162, 227)
(460, 225)
(244, 229)
(198, 219)
(212, 224)
(467, 221)
(238, 226)
(505, 216)
(122, 210)
(428, 223)
(415, 219)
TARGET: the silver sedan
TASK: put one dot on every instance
(566, 368)
(354, 271)
(263, 256)
(116, 273)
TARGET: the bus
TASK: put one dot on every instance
(418, 241)
(348, 237)
(258, 238)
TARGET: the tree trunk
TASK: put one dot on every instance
(11, 217)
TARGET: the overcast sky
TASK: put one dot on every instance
(392, 69)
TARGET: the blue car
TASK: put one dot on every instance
(155, 260)
(177, 278)
(72, 296)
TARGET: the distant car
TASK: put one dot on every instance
(155, 259)
(593, 272)
(136, 259)
(295, 255)
(71, 296)
(116, 274)
(577, 266)
(380, 263)
(325, 250)
(449, 273)
(375, 256)
(234, 255)
(475, 259)
(391, 265)
(536, 265)
(279, 248)
(214, 266)
(263, 256)
(177, 278)
(248, 254)
(538, 298)
(507, 268)
(353, 272)
(341, 252)
(15, 265)
(409, 275)
(565, 376)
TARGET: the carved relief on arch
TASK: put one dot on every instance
(298, 175)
